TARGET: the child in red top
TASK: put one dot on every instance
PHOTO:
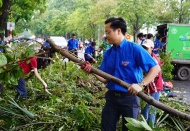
(155, 86)
(27, 68)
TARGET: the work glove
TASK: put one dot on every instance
(134, 89)
(45, 88)
(87, 67)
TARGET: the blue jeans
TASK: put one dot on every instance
(125, 105)
(149, 112)
(21, 89)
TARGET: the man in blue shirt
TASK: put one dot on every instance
(1, 43)
(72, 45)
(124, 60)
(157, 45)
(89, 53)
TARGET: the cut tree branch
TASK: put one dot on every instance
(109, 77)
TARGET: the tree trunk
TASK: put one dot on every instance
(143, 96)
(4, 16)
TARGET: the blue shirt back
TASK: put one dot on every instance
(46, 44)
(126, 62)
(89, 50)
(72, 44)
(157, 44)
(1, 43)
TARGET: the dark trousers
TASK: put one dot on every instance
(119, 104)
(21, 89)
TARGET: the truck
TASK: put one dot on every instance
(177, 43)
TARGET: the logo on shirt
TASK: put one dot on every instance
(125, 63)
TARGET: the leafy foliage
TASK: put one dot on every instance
(10, 71)
(74, 105)
(167, 67)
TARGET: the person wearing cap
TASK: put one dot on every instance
(89, 53)
(155, 87)
(125, 60)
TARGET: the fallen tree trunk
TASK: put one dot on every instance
(109, 77)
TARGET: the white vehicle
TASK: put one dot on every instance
(59, 40)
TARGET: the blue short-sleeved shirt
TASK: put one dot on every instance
(1, 43)
(72, 44)
(46, 44)
(157, 44)
(126, 62)
(89, 50)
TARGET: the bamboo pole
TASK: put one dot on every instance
(109, 77)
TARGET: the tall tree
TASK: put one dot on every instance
(4, 10)
(137, 13)
(18, 9)
(173, 11)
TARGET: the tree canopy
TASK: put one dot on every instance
(86, 17)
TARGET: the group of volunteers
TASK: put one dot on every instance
(125, 60)
(159, 45)
(89, 54)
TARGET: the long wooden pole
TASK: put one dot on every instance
(109, 77)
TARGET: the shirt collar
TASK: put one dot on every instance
(122, 43)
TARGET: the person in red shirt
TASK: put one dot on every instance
(155, 86)
(27, 68)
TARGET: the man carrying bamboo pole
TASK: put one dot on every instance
(124, 60)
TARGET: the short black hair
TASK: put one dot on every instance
(93, 44)
(73, 34)
(140, 35)
(117, 23)
(149, 35)
(158, 36)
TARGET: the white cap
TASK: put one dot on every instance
(148, 43)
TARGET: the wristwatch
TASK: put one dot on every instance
(142, 85)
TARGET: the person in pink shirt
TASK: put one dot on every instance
(155, 87)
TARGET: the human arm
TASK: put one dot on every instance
(39, 77)
(101, 79)
(91, 57)
(134, 89)
(152, 73)
(87, 67)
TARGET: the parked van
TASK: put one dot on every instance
(59, 40)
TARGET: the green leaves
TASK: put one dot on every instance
(135, 125)
(3, 59)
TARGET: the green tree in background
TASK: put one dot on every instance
(173, 11)
(15, 10)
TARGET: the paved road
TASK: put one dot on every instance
(182, 89)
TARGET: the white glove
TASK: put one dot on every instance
(134, 89)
